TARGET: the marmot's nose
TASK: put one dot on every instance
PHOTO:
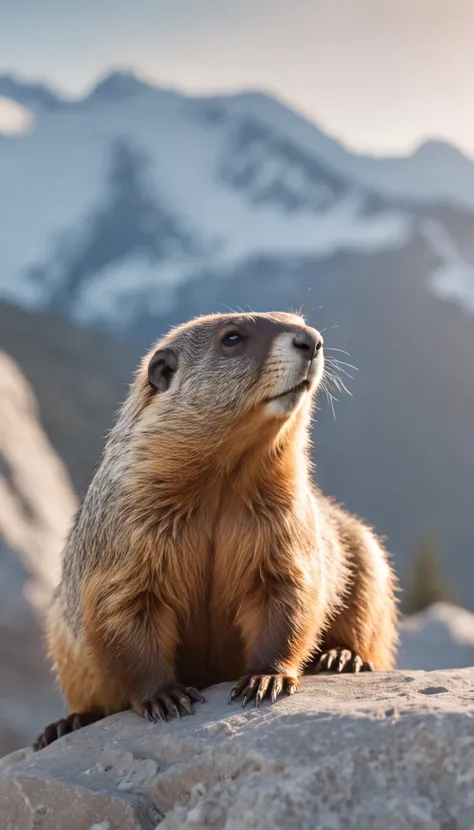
(309, 341)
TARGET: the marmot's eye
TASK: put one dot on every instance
(232, 338)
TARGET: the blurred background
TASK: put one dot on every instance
(161, 160)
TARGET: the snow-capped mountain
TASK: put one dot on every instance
(135, 187)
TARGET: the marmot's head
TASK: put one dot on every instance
(227, 367)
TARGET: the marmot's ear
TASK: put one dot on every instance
(161, 369)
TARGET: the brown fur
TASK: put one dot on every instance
(202, 552)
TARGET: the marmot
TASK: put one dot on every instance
(202, 552)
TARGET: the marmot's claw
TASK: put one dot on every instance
(260, 686)
(154, 711)
(194, 694)
(357, 664)
(173, 701)
(233, 694)
(341, 660)
(185, 706)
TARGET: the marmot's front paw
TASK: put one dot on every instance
(173, 701)
(64, 726)
(341, 660)
(259, 686)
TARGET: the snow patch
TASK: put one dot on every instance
(453, 279)
(118, 293)
(14, 118)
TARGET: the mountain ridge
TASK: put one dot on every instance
(235, 177)
(393, 174)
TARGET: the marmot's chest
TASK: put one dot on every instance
(211, 649)
(222, 572)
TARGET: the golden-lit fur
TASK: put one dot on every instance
(202, 552)
(81, 680)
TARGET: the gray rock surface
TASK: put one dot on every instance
(376, 750)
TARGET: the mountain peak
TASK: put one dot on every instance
(119, 84)
(435, 151)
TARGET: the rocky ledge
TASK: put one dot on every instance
(376, 750)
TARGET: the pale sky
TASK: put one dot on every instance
(382, 75)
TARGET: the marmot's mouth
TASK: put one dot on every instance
(300, 387)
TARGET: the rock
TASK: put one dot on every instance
(441, 637)
(37, 502)
(391, 750)
(36, 508)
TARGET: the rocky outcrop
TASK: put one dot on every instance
(36, 498)
(36, 507)
(360, 752)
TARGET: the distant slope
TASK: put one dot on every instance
(79, 377)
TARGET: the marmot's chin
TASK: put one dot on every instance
(288, 401)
